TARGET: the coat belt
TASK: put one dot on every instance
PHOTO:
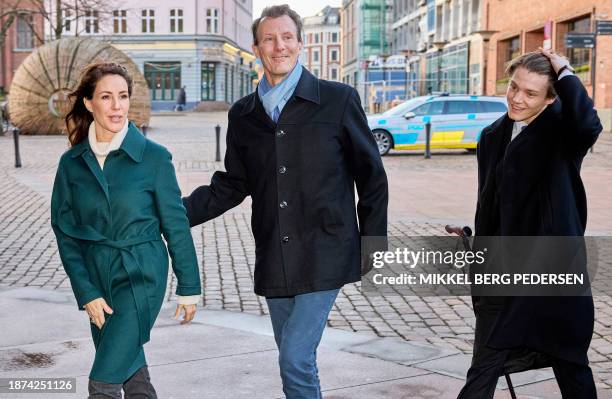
(134, 272)
(130, 263)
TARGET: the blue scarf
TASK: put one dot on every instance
(275, 98)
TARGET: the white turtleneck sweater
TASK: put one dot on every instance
(101, 149)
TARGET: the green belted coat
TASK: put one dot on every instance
(109, 225)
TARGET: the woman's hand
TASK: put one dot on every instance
(95, 309)
(189, 312)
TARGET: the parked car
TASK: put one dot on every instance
(456, 122)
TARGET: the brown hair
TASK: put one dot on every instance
(275, 12)
(79, 118)
(535, 62)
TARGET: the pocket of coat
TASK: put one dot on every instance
(333, 222)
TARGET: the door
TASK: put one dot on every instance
(432, 112)
(460, 124)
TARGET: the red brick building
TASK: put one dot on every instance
(519, 26)
(21, 39)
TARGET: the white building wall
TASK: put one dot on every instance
(190, 47)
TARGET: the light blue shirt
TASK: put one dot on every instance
(274, 98)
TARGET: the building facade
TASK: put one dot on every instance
(464, 46)
(202, 45)
(322, 46)
(443, 43)
(364, 35)
(24, 34)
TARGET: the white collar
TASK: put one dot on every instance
(520, 124)
(114, 144)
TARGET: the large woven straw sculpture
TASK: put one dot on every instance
(38, 100)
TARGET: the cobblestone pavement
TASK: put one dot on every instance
(424, 195)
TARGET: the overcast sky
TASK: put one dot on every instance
(305, 8)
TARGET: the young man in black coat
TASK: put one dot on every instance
(299, 146)
(529, 185)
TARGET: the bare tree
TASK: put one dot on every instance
(58, 15)
(76, 16)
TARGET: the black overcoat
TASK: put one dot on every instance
(531, 186)
(301, 175)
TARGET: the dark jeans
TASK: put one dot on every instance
(138, 386)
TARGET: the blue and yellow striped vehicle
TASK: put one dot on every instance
(456, 122)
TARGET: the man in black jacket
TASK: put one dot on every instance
(529, 185)
(299, 146)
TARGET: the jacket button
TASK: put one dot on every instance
(286, 239)
(280, 133)
(282, 170)
(283, 204)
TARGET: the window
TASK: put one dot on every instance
(461, 107)
(163, 79)
(466, 17)
(334, 37)
(25, 35)
(316, 38)
(490, 106)
(579, 58)
(212, 20)
(334, 55)
(91, 21)
(514, 48)
(66, 20)
(315, 56)
(148, 20)
(431, 108)
(334, 74)
(454, 69)
(176, 20)
(208, 81)
(119, 21)
(226, 85)
(315, 72)
(232, 83)
(242, 80)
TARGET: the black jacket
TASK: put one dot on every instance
(301, 174)
(531, 186)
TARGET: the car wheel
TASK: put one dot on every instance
(384, 141)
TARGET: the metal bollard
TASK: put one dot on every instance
(144, 130)
(428, 140)
(218, 136)
(16, 141)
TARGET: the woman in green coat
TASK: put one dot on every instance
(115, 194)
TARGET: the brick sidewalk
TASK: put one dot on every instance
(425, 195)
